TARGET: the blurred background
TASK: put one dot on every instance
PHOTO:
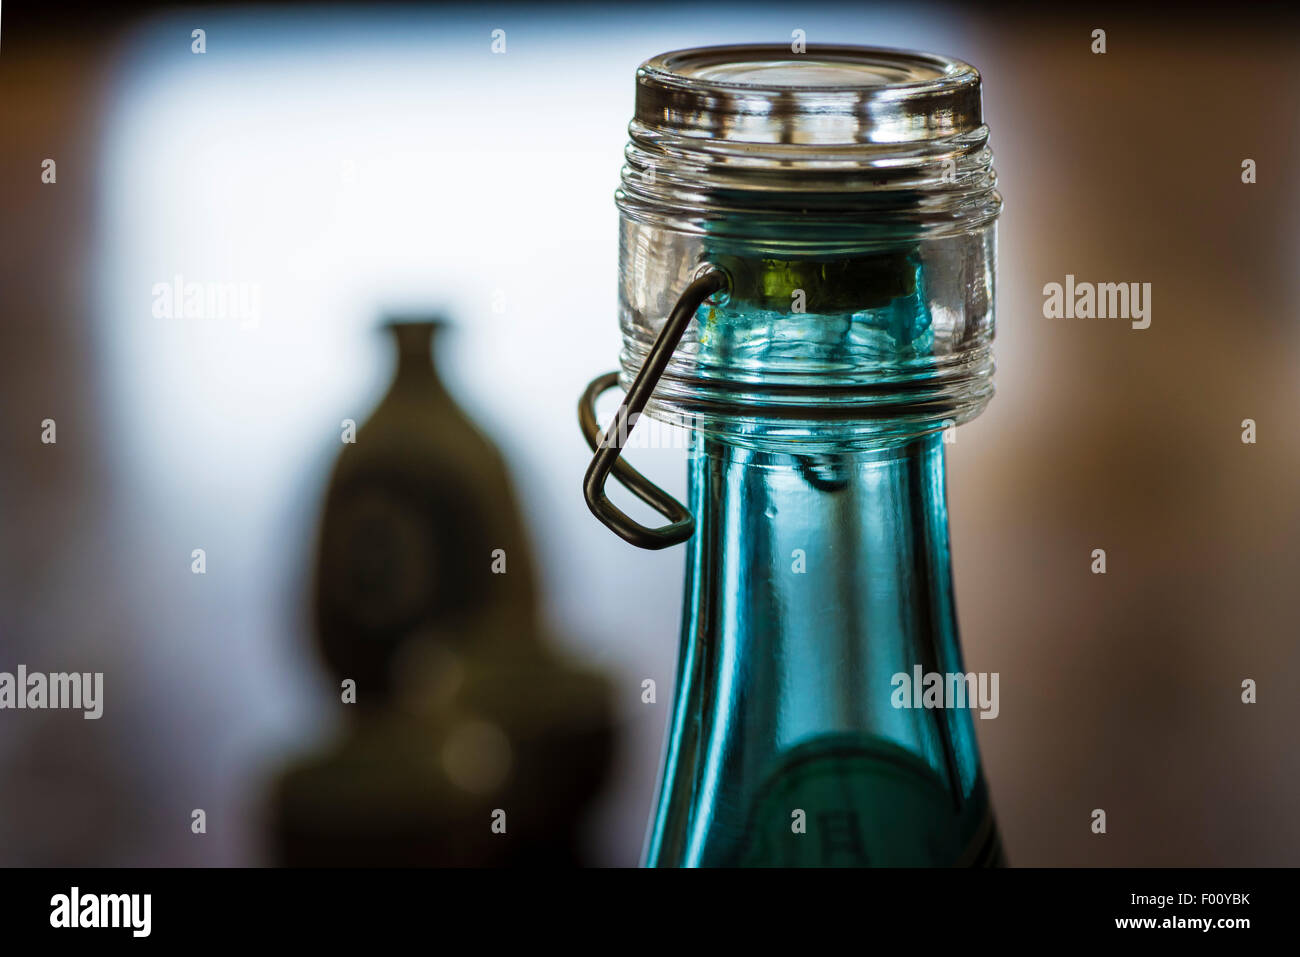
(340, 165)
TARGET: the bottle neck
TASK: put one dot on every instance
(812, 581)
(416, 373)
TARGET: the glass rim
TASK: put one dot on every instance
(753, 93)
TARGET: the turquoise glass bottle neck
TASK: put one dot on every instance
(811, 582)
(848, 195)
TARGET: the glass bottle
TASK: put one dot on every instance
(457, 703)
(837, 208)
